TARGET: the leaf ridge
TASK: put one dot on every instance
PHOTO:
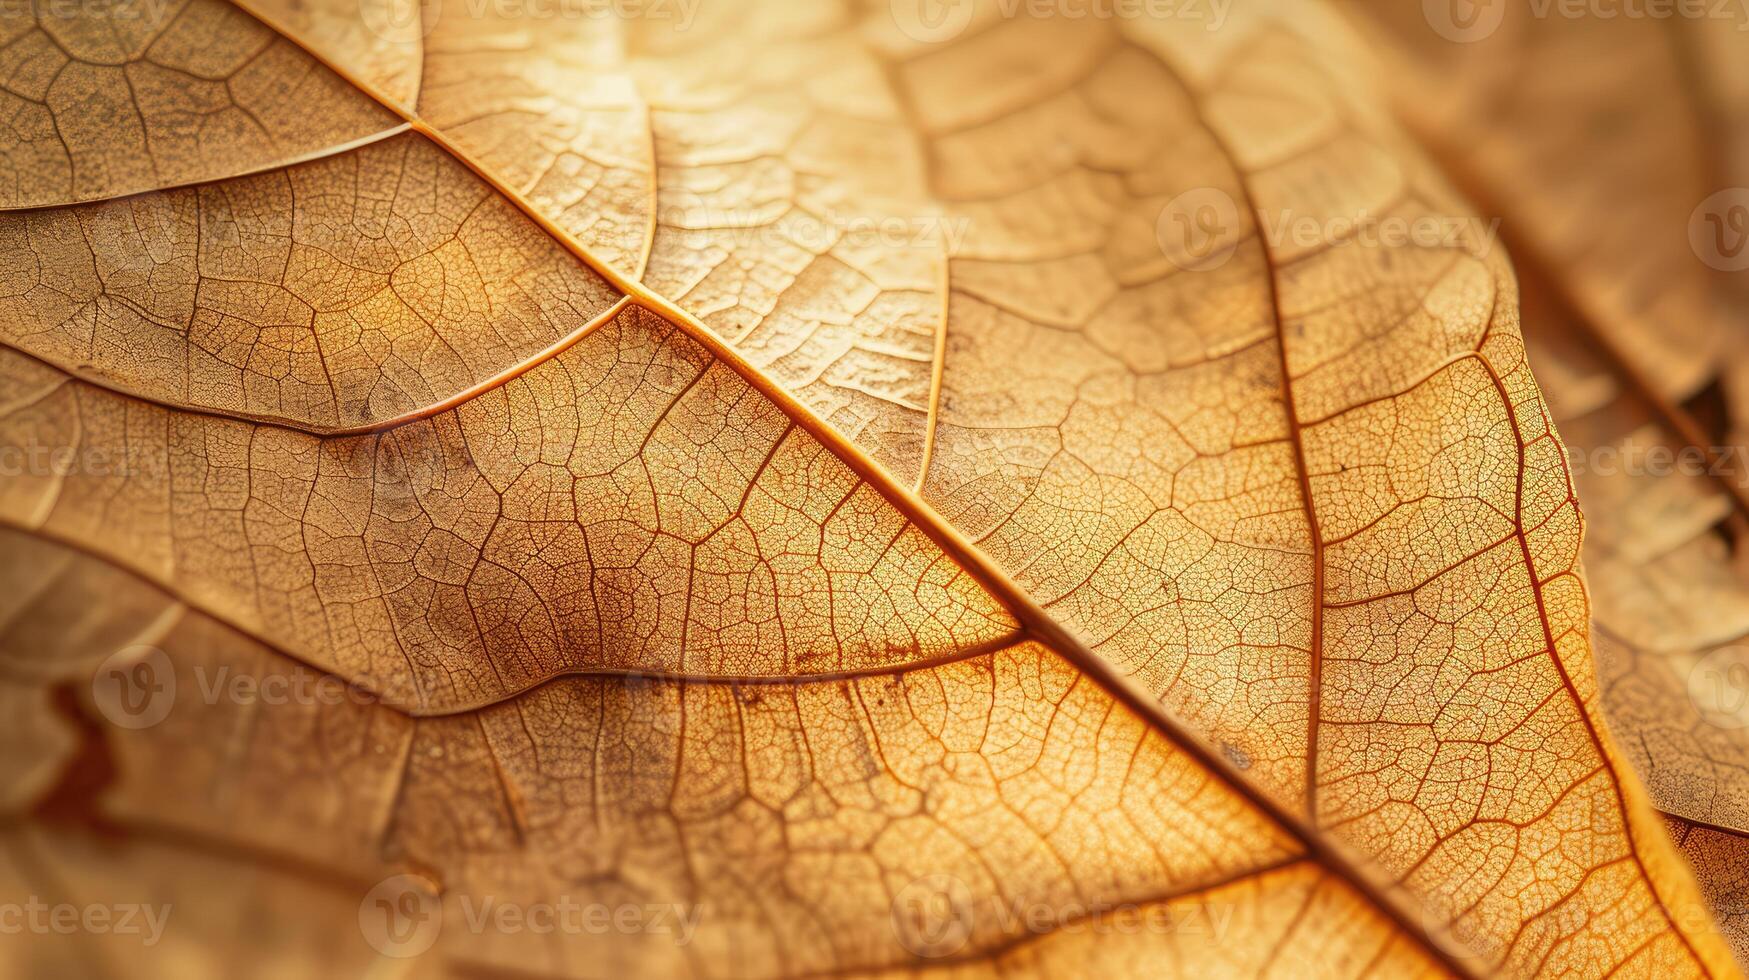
(1295, 431)
(273, 166)
(453, 400)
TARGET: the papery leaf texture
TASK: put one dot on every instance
(787, 469)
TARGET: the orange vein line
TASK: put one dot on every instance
(463, 396)
(277, 165)
(1315, 665)
(936, 370)
(1591, 729)
(1717, 828)
(654, 197)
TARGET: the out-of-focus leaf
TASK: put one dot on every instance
(1595, 140)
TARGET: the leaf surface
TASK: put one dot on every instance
(1308, 499)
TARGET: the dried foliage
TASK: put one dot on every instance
(782, 488)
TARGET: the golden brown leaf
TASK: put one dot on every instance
(1306, 496)
(974, 771)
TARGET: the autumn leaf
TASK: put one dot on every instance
(730, 469)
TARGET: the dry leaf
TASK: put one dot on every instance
(759, 482)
